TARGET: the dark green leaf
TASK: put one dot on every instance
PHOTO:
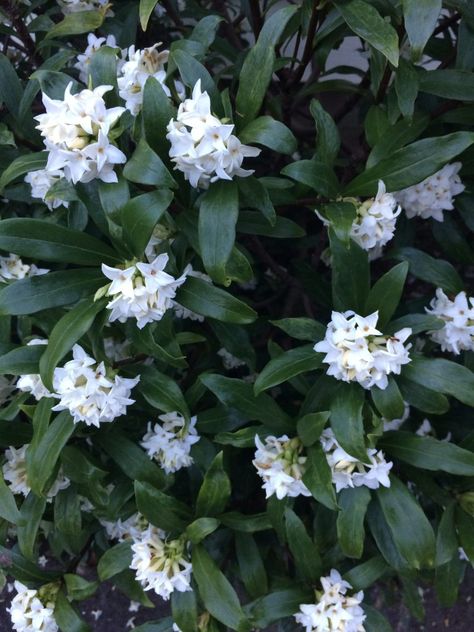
(305, 553)
(351, 277)
(301, 328)
(318, 477)
(420, 18)
(328, 141)
(114, 560)
(201, 528)
(21, 361)
(31, 513)
(64, 614)
(252, 570)
(266, 131)
(215, 489)
(346, 419)
(145, 10)
(311, 426)
(21, 165)
(146, 167)
(389, 401)
(406, 87)
(157, 112)
(162, 392)
(436, 271)
(353, 505)
(314, 174)
(386, 293)
(161, 510)
(254, 224)
(286, 366)
(140, 216)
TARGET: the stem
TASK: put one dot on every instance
(308, 49)
(13, 11)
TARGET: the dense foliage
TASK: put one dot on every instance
(236, 332)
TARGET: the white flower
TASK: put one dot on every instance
(33, 383)
(202, 147)
(458, 332)
(335, 610)
(89, 392)
(14, 471)
(12, 268)
(123, 529)
(433, 195)
(75, 132)
(374, 225)
(228, 360)
(462, 555)
(41, 181)
(356, 351)
(170, 443)
(75, 6)
(134, 73)
(395, 424)
(32, 610)
(161, 565)
(93, 45)
(348, 471)
(161, 235)
(280, 465)
(143, 291)
(115, 350)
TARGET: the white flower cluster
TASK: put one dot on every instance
(84, 388)
(374, 225)
(143, 291)
(93, 45)
(123, 529)
(161, 565)
(348, 471)
(41, 181)
(170, 442)
(357, 352)
(458, 315)
(202, 147)
(433, 195)
(12, 268)
(76, 135)
(229, 361)
(30, 611)
(33, 383)
(281, 466)
(14, 471)
(75, 6)
(134, 73)
(335, 610)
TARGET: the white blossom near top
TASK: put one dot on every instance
(89, 391)
(32, 383)
(14, 472)
(458, 315)
(12, 268)
(170, 442)
(358, 352)
(161, 564)
(395, 424)
(134, 73)
(228, 360)
(348, 471)
(433, 195)
(335, 610)
(31, 610)
(41, 181)
(143, 291)
(75, 6)
(281, 466)
(93, 45)
(375, 222)
(202, 147)
(75, 132)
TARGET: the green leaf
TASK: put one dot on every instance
(79, 588)
(447, 580)
(252, 570)
(51, 242)
(340, 216)
(365, 574)
(328, 141)
(31, 513)
(32, 294)
(465, 530)
(286, 366)
(254, 194)
(244, 522)
(301, 328)
(64, 614)
(145, 10)
(146, 167)
(420, 18)
(364, 20)
(21, 165)
(346, 419)
(75, 24)
(114, 561)
(201, 528)
(191, 71)
(428, 453)
(449, 84)
(21, 361)
(409, 527)
(436, 271)
(43, 456)
(405, 131)
(386, 293)
(184, 610)
(8, 509)
(278, 605)
(266, 131)
(412, 164)
(217, 594)
(66, 332)
(163, 511)
(353, 505)
(423, 398)
(213, 302)
(23, 570)
(205, 30)
(238, 394)
(215, 490)
(351, 276)
(311, 426)
(442, 376)
(157, 112)
(389, 401)
(162, 392)
(11, 91)
(54, 83)
(314, 174)
(446, 540)
(254, 224)
(417, 323)
(305, 553)
(140, 216)
(406, 87)
(103, 72)
(375, 621)
(318, 477)
(217, 219)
